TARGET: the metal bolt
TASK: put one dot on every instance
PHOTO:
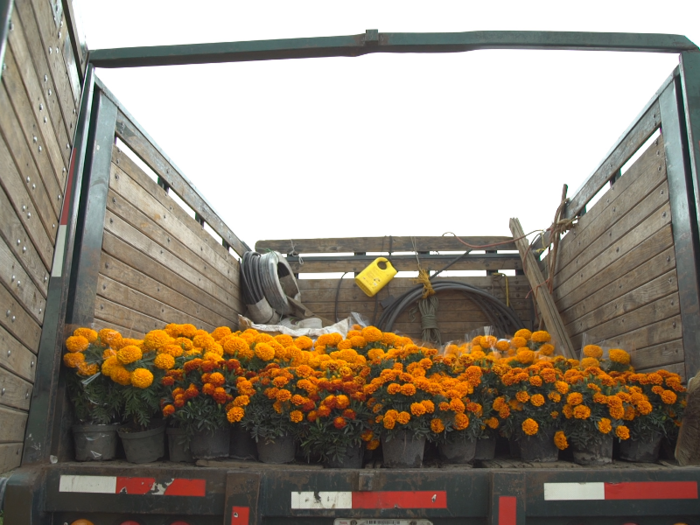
(59, 197)
(46, 278)
(7, 314)
(53, 225)
(24, 249)
(29, 215)
(26, 395)
(19, 283)
(24, 208)
(33, 186)
(50, 50)
(57, 51)
(13, 318)
(2, 392)
(19, 242)
(13, 278)
(46, 120)
(32, 363)
(28, 179)
(39, 149)
(41, 310)
(41, 107)
(50, 92)
(67, 146)
(35, 139)
(9, 353)
(46, 78)
(59, 33)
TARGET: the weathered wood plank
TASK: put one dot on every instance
(47, 193)
(544, 298)
(658, 356)
(124, 331)
(17, 321)
(121, 250)
(23, 205)
(123, 230)
(13, 231)
(13, 425)
(631, 141)
(486, 282)
(192, 245)
(384, 244)
(660, 264)
(16, 357)
(656, 222)
(646, 293)
(650, 335)
(10, 456)
(676, 368)
(37, 100)
(17, 390)
(134, 300)
(127, 275)
(132, 135)
(407, 263)
(647, 176)
(17, 281)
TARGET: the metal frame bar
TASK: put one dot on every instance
(374, 42)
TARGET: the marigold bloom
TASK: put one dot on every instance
(537, 400)
(622, 432)
(372, 334)
(73, 359)
(560, 440)
(235, 414)
(546, 349)
(619, 356)
(110, 337)
(408, 389)
(120, 375)
(525, 356)
(524, 333)
(403, 417)
(129, 354)
(575, 398)
(522, 396)
(530, 426)
(554, 396)
(605, 425)
(164, 361)
(155, 339)
(77, 343)
(594, 351)
(582, 412)
(141, 378)
(518, 342)
(436, 425)
(492, 423)
(264, 352)
(461, 421)
(541, 336)
(668, 397)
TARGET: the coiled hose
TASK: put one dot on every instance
(501, 317)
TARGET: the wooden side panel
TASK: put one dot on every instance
(616, 281)
(38, 111)
(457, 314)
(159, 265)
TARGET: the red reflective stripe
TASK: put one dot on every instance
(652, 490)
(240, 515)
(186, 487)
(134, 485)
(425, 499)
(507, 510)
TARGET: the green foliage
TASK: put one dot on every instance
(94, 398)
(201, 414)
(140, 404)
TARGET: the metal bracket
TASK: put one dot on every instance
(371, 37)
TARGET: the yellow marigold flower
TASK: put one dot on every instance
(518, 342)
(120, 375)
(73, 359)
(357, 341)
(524, 333)
(488, 341)
(622, 432)
(164, 361)
(525, 356)
(588, 362)
(619, 356)
(77, 343)
(235, 414)
(110, 337)
(87, 370)
(594, 351)
(541, 336)
(129, 354)
(502, 345)
(87, 333)
(546, 349)
(530, 426)
(461, 421)
(155, 339)
(221, 332)
(436, 425)
(537, 400)
(582, 412)
(560, 440)
(264, 351)
(174, 350)
(372, 334)
(296, 416)
(141, 378)
(604, 425)
(108, 364)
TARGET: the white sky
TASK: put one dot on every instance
(385, 144)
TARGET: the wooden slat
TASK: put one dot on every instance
(37, 101)
(166, 227)
(646, 293)
(13, 424)
(136, 301)
(132, 135)
(17, 390)
(659, 310)
(99, 324)
(17, 321)
(658, 356)
(660, 219)
(628, 144)
(663, 263)
(642, 188)
(12, 230)
(648, 250)
(118, 227)
(383, 244)
(127, 275)
(649, 335)
(10, 456)
(17, 281)
(167, 275)
(24, 207)
(15, 357)
(544, 299)
(408, 263)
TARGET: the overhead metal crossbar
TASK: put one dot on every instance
(372, 41)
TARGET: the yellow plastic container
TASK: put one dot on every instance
(375, 276)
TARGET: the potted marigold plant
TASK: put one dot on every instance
(595, 404)
(95, 405)
(530, 406)
(656, 403)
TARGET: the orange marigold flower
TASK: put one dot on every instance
(525, 356)
(77, 343)
(168, 410)
(372, 334)
(554, 396)
(546, 349)
(120, 375)
(575, 398)
(296, 416)
(429, 406)
(155, 339)
(530, 426)
(502, 345)
(582, 412)
(492, 423)
(403, 417)
(417, 409)
(524, 333)
(408, 389)
(436, 425)
(522, 396)
(537, 400)
(235, 414)
(164, 361)
(110, 337)
(73, 359)
(283, 395)
(264, 352)
(541, 336)
(619, 356)
(604, 425)
(220, 332)
(141, 378)
(560, 440)
(622, 432)
(129, 354)
(668, 397)
(535, 380)
(594, 351)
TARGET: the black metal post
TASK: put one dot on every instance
(5, 15)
